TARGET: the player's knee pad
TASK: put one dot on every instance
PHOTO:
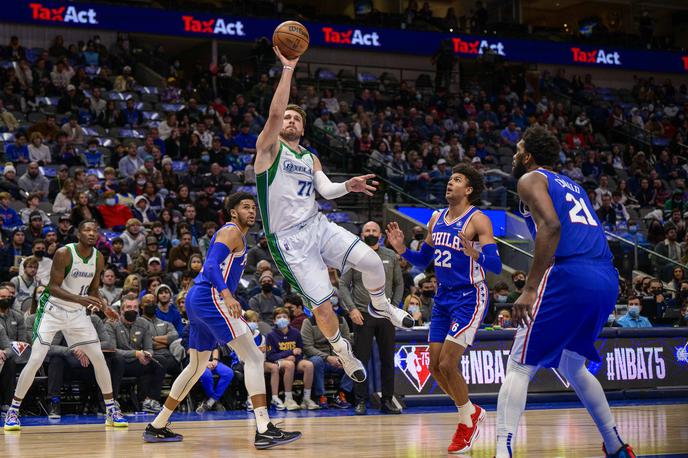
(366, 261)
(523, 369)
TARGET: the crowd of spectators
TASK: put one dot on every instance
(83, 139)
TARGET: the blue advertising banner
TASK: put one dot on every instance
(209, 25)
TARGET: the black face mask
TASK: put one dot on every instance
(428, 293)
(130, 315)
(520, 284)
(266, 288)
(149, 310)
(371, 240)
(656, 292)
(419, 236)
(6, 303)
(39, 253)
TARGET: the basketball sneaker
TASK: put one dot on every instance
(308, 404)
(12, 421)
(322, 402)
(397, 316)
(290, 404)
(165, 434)
(624, 452)
(340, 401)
(115, 418)
(464, 437)
(352, 366)
(274, 437)
(277, 404)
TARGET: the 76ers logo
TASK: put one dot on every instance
(414, 363)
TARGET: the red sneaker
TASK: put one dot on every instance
(464, 437)
(624, 452)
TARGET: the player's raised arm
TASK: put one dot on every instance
(228, 240)
(61, 260)
(330, 190)
(532, 188)
(489, 256)
(420, 258)
(266, 145)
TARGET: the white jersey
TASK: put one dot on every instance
(286, 195)
(78, 277)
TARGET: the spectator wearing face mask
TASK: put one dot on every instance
(25, 283)
(414, 306)
(163, 333)
(265, 302)
(294, 304)
(12, 323)
(285, 347)
(504, 319)
(661, 300)
(427, 288)
(633, 319)
(44, 263)
(418, 237)
(518, 278)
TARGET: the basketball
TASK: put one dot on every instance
(291, 38)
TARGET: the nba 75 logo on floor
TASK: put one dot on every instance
(414, 362)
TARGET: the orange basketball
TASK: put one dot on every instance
(291, 38)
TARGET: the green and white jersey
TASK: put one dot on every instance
(286, 195)
(79, 274)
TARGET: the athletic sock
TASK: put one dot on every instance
(378, 298)
(339, 344)
(162, 418)
(109, 404)
(262, 418)
(211, 402)
(288, 396)
(306, 394)
(465, 412)
(15, 406)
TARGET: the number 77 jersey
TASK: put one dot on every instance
(582, 234)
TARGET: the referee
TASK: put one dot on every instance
(355, 299)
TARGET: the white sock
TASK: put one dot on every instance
(465, 412)
(109, 404)
(510, 405)
(306, 394)
(592, 396)
(288, 396)
(276, 398)
(339, 344)
(262, 418)
(15, 406)
(378, 298)
(211, 402)
(162, 419)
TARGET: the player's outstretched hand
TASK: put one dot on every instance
(467, 247)
(291, 63)
(395, 237)
(521, 313)
(360, 184)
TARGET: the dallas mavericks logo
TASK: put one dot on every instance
(414, 362)
(290, 166)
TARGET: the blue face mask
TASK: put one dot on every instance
(282, 323)
(413, 309)
(506, 323)
(252, 326)
(634, 311)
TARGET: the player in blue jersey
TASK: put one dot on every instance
(215, 316)
(570, 291)
(461, 242)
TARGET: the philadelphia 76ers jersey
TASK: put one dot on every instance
(452, 266)
(582, 235)
(232, 267)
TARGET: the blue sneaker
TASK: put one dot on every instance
(115, 418)
(624, 452)
(165, 434)
(12, 421)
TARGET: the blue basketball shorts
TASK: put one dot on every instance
(458, 312)
(573, 302)
(210, 322)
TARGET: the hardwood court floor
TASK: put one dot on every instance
(657, 430)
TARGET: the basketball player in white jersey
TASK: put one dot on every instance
(301, 240)
(73, 287)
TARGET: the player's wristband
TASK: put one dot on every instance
(420, 258)
(489, 258)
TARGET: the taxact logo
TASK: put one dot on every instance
(67, 14)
